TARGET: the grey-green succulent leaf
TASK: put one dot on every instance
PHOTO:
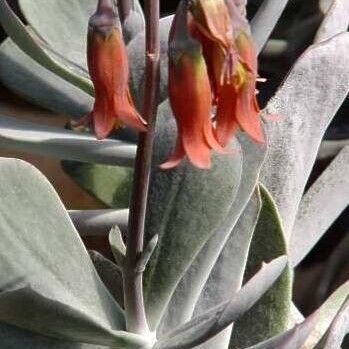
(265, 20)
(63, 144)
(307, 101)
(134, 23)
(117, 245)
(108, 183)
(217, 319)
(186, 206)
(291, 339)
(309, 332)
(334, 266)
(32, 81)
(271, 314)
(187, 293)
(324, 5)
(146, 254)
(61, 24)
(110, 274)
(321, 205)
(30, 309)
(98, 222)
(335, 22)
(14, 338)
(338, 330)
(326, 314)
(44, 264)
(227, 274)
(22, 37)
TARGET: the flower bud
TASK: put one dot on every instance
(190, 97)
(109, 71)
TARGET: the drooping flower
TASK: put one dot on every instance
(232, 65)
(109, 71)
(190, 97)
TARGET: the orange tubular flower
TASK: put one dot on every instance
(233, 62)
(109, 71)
(190, 97)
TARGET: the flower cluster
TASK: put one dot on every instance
(212, 67)
(212, 78)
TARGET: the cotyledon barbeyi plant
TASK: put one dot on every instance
(207, 232)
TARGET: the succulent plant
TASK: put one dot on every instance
(215, 267)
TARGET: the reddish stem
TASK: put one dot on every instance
(133, 288)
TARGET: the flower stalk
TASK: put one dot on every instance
(133, 288)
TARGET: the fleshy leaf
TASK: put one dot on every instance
(186, 206)
(134, 23)
(338, 329)
(98, 222)
(216, 319)
(30, 80)
(117, 245)
(188, 291)
(291, 339)
(29, 309)
(335, 22)
(307, 101)
(308, 332)
(227, 275)
(325, 5)
(270, 315)
(109, 184)
(265, 20)
(22, 37)
(61, 24)
(63, 144)
(14, 338)
(110, 274)
(45, 265)
(321, 205)
(326, 314)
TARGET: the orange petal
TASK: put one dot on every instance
(176, 157)
(247, 113)
(127, 114)
(226, 123)
(196, 149)
(211, 139)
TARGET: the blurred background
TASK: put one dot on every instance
(328, 264)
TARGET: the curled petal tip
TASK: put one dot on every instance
(176, 157)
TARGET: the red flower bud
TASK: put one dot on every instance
(109, 71)
(190, 97)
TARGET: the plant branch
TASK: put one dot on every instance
(133, 289)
